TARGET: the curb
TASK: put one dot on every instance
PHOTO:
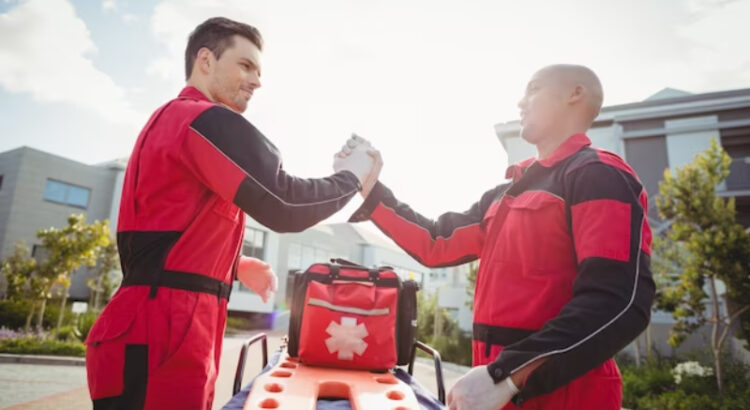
(44, 360)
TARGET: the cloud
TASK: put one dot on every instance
(129, 18)
(717, 36)
(44, 53)
(109, 5)
(702, 6)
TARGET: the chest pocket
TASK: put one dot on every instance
(534, 214)
(536, 226)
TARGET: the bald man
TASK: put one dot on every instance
(564, 281)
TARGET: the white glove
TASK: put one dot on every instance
(358, 161)
(353, 142)
(354, 147)
(257, 276)
(477, 391)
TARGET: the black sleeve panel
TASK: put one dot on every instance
(281, 202)
(611, 301)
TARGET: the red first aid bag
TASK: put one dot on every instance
(349, 316)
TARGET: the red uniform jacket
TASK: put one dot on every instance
(195, 168)
(564, 271)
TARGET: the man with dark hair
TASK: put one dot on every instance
(197, 167)
(564, 280)
(217, 34)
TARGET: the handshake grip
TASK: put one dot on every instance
(361, 159)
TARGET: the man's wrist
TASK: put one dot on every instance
(376, 195)
(517, 380)
(511, 385)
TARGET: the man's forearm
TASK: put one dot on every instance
(519, 377)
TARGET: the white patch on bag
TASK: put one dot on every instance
(346, 338)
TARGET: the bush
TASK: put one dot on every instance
(68, 333)
(13, 313)
(455, 349)
(653, 378)
(677, 400)
(454, 346)
(653, 386)
(52, 310)
(85, 322)
(238, 323)
(33, 345)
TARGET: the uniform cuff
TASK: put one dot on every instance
(353, 177)
(496, 372)
(374, 198)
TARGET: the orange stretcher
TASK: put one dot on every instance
(291, 385)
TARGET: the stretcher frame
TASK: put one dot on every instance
(262, 337)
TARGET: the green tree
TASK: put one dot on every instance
(438, 329)
(703, 245)
(19, 270)
(66, 250)
(103, 283)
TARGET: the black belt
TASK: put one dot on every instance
(498, 335)
(178, 280)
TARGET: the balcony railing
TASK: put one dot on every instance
(739, 174)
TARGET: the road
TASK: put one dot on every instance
(51, 387)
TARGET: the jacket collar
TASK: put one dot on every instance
(193, 93)
(569, 147)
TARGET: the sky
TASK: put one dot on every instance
(424, 80)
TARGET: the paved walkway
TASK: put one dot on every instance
(25, 383)
(51, 387)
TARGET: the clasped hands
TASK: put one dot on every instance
(360, 158)
(357, 156)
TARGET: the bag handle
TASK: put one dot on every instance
(374, 273)
(334, 275)
(344, 262)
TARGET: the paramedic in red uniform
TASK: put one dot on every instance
(196, 168)
(564, 281)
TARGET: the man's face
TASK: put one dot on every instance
(542, 107)
(236, 74)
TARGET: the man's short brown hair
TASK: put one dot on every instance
(217, 34)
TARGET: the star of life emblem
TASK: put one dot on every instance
(346, 338)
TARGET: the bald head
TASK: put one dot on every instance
(571, 76)
(560, 100)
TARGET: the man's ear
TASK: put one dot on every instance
(577, 94)
(204, 60)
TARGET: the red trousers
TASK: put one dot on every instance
(156, 353)
(599, 389)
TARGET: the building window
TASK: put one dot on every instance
(39, 253)
(255, 243)
(60, 192)
(294, 256)
(253, 246)
(302, 256)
